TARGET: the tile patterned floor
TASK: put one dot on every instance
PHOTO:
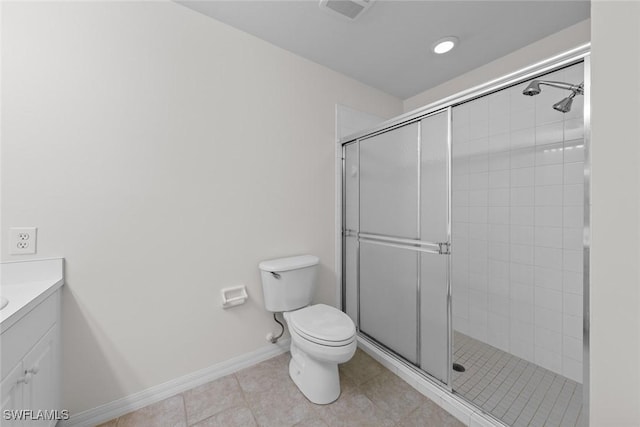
(514, 390)
(264, 395)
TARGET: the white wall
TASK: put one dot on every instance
(163, 154)
(615, 221)
(518, 209)
(547, 47)
(350, 121)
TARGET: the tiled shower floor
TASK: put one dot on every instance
(264, 395)
(514, 390)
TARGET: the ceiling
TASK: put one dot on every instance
(389, 46)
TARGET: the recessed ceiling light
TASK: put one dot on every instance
(444, 45)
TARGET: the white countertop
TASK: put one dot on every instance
(26, 284)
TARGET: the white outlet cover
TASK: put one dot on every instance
(23, 240)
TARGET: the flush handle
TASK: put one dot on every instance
(276, 275)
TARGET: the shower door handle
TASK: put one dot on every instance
(445, 248)
(441, 248)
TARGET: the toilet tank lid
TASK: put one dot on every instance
(289, 263)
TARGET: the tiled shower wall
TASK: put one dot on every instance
(518, 198)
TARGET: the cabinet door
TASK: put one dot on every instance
(389, 183)
(11, 392)
(42, 392)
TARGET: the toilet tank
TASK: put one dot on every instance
(288, 283)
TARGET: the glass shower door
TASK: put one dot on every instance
(388, 307)
(389, 183)
(388, 215)
(434, 228)
(435, 339)
(404, 242)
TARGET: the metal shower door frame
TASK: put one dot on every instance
(573, 56)
(416, 245)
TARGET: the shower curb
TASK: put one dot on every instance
(457, 407)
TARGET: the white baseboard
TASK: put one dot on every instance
(162, 391)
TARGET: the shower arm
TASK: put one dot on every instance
(578, 89)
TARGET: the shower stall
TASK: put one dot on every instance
(465, 242)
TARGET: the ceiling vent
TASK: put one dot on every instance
(346, 9)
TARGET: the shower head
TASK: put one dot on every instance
(564, 106)
(532, 89)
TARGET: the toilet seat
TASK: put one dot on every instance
(320, 341)
(323, 325)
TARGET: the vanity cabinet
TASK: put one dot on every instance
(11, 389)
(31, 364)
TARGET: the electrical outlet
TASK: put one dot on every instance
(22, 240)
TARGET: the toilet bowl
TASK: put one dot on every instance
(321, 336)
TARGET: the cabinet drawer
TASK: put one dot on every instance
(25, 333)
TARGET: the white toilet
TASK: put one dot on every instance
(321, 336)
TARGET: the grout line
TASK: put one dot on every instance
(244, 397)
(497, 386)
(523, 393)
(184, 408)
(565, 407)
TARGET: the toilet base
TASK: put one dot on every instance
(318, 381)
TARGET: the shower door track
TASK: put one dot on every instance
(562, 60)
